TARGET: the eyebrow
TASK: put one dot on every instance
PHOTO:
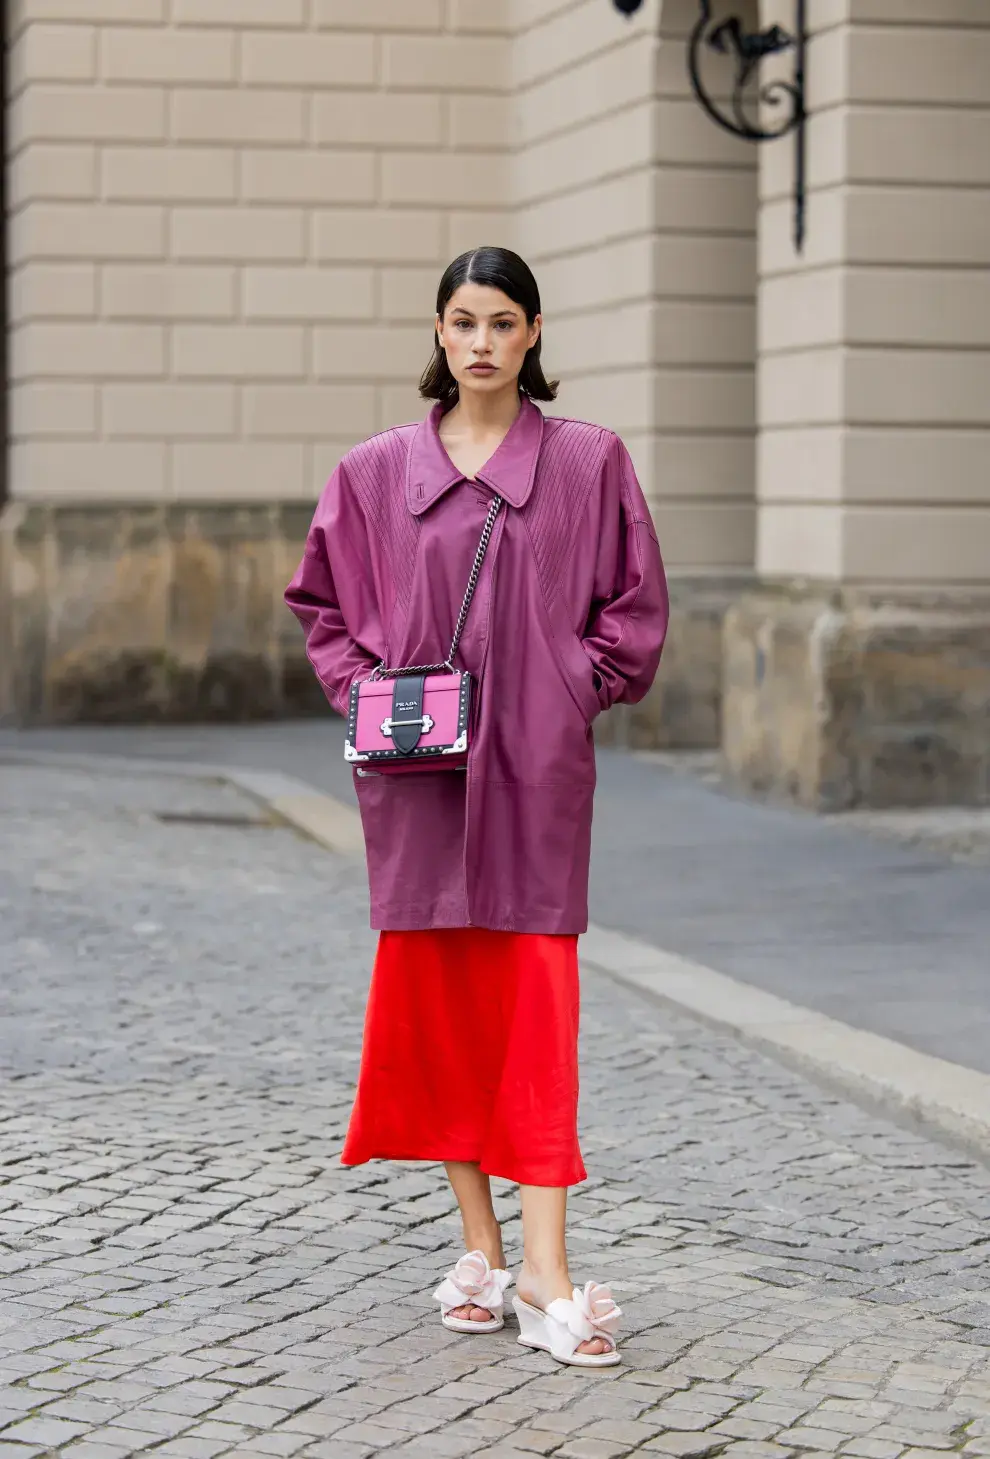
(499, 313)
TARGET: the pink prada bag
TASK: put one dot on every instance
(403, 720)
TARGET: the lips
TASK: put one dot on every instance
(482, 369)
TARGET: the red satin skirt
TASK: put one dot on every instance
(470, 1053)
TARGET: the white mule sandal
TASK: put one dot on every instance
(473, 1283)
(566, 1324)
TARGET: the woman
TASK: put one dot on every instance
(479, 881)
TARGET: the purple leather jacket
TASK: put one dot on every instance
(569, 618)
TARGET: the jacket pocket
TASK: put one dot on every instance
(579, 672)
(574, 667)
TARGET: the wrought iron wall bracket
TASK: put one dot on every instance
(747, 109)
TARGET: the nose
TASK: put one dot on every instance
(483, 340)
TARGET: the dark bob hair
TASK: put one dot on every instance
(495, 268)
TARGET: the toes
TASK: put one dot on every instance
(480, 1314)
(594, 1347)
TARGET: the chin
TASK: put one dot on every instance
(482, 382)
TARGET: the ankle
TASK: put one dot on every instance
(545, 1264)
(486, 1237)
(544, 1278)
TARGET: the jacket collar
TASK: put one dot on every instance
(510, 473)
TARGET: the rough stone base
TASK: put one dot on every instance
(855, 699)
(113, 612)
(116, 612)
(683, 710)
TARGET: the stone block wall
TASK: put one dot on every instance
(858, 698)
(874, 370)
(164, 611)
(859, 672)
(227, 226)
(227, 223)
(639, 216)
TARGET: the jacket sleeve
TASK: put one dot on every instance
(628, 621)
(333, 594)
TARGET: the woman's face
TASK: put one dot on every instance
(485, 337)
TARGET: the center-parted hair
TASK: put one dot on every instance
(494, 268)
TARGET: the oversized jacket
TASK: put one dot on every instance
(569, 618)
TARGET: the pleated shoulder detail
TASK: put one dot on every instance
(570, 464)
(377, 472)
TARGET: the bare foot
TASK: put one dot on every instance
(491, 1244)
(471, 1314)
(540, 1289)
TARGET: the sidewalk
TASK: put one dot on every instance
(888, 937)
(186, 1270)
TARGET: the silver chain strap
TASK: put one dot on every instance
(479, 557)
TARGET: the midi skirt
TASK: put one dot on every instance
(470, 1054)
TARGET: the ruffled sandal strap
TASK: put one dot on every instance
(473, 1283)
(591, 1313)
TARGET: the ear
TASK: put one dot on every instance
(438, 326)
(535, 330)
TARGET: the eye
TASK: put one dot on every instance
(462, 324)
(505, 324)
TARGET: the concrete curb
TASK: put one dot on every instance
(944, 1099)
(327, 821)
(929, 1094)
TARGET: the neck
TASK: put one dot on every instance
(486, 414)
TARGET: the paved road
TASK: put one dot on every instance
(890, 938)
(186, 1270)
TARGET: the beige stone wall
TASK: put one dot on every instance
(705, 329)
(874, 459)
(227, 227)
(228, 224)
(228, 221)
(228, 218)
(639, 217)
(860, 673)
(584, 128)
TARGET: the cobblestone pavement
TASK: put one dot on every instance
(185, 1270)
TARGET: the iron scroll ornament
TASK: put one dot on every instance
(750, 48)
